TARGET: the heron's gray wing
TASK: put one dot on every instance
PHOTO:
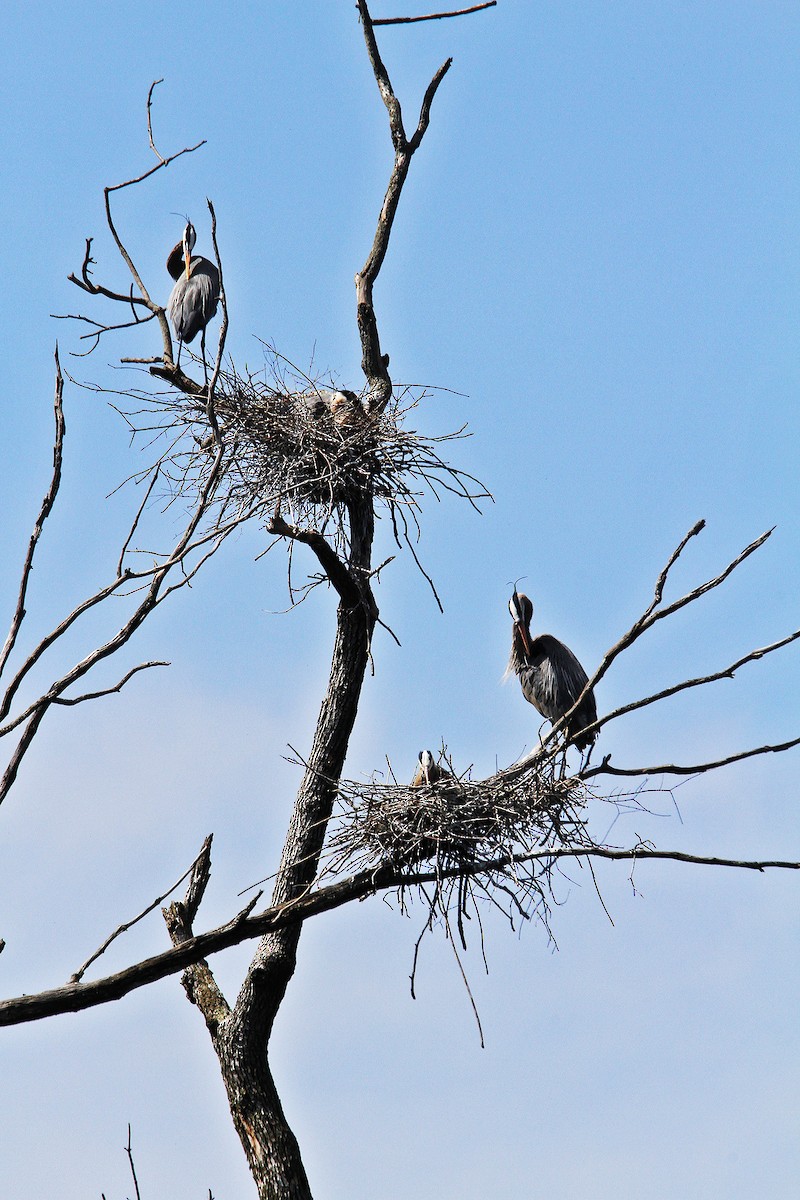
(560, 677)
(194, 301)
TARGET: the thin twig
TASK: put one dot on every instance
(129, 1152)
(126, 925)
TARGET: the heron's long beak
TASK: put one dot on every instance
(187, 258)
(523, 633)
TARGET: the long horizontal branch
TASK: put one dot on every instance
(75, 997)
(605, 767)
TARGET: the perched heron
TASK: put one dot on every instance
(195, 296)
(550, 675)
(428, 771)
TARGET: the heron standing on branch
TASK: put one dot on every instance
(195, 296)
(550, 675)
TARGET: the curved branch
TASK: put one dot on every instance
(336, 571)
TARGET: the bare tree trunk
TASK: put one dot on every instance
(241, 1036)
(273, 1154)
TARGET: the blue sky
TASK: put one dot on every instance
(597, 252)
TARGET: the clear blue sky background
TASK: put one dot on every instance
(597, 247)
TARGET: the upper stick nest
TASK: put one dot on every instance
(309, 449)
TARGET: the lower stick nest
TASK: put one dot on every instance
(456, 823)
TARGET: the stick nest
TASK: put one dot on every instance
(309, 449)
(456, 822)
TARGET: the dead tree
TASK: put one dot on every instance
(312, 464)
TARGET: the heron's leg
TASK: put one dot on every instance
(203, 352)
(180, 347)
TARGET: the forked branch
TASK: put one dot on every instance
(375, 364)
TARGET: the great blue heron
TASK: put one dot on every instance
(551, 677)
(195, 296)
(346, 408)
(428, 771)
(342, 406)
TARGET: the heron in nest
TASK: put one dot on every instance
(428, 771)
(550, 675)
(195, 296)
(342, 406)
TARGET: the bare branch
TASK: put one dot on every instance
(200, 875)
(673, 558)
(199, 983)
(427, 101)
(148, 492)
(46, 509)
(336, 571)
(109, 691)
(440, 16)
(153, 87)
(129, 1152)
(696, 769)
(126, 925)
(374, 363)
(223, 332)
